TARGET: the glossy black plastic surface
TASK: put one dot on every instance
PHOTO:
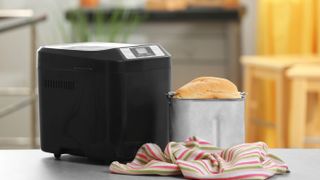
(99, 105)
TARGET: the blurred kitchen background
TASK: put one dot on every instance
(268, 48)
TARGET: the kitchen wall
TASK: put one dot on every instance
(248, 27)
(15, 54)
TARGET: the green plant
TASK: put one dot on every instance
(117, 26)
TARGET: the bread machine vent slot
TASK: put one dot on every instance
(59, 84)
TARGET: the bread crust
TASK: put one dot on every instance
(208, 88)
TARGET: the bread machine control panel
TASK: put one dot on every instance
(142, 52)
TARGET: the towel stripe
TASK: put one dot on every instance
(198, 159)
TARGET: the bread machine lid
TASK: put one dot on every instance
(99, 50)
(90, 46)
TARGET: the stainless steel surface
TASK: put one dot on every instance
(10, 13)
(37, 165)
(220, 121)
(10, 24)
(14, 91)
(14, 23)
(33, 114)
(16, 106)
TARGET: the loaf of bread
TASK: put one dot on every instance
(208, 88)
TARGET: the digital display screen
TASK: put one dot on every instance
(142, 51)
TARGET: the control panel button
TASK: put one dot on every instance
(127, 53)
(157, 51)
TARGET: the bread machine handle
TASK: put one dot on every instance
(243, 94)
(170, 95)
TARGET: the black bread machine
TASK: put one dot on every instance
(103, 100)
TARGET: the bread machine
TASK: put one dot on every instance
(103, 100)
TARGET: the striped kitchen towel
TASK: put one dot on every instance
(198, 159)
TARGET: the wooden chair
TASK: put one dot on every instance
(258, 70)
(304, 121)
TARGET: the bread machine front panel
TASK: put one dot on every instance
(100, 102)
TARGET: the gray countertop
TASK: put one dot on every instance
(35, 164)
